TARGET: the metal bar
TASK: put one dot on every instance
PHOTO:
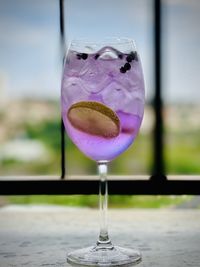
(62, 150)
(158, 164)
(62, 26)
(62, 44)
(76, 187)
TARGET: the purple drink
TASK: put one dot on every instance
(102, 100)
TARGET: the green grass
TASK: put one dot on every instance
(48, 132)
(115, 201)
(182, 153)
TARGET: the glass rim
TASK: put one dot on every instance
(110, 40)
(123, 43)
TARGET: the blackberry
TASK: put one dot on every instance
(122, 70)
(84, 56)
(136, 56)
(127, 66)
(131, 57)
(79, 56)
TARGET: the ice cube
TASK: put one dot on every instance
(119, 98)
(108, 53)
(74, 66)
(113, 95)
(73, 91)
(93, 76)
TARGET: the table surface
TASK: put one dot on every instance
(43, 235)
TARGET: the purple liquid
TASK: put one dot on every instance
(104, 77)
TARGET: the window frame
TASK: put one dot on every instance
(157, 184)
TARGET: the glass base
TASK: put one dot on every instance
(98, 256)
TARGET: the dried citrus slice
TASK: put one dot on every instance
(94, 118)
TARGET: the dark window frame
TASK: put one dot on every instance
(157, 184)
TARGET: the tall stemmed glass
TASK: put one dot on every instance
(102, 109)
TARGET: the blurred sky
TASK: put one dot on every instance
(30, 61)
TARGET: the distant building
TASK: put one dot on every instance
(3, 90)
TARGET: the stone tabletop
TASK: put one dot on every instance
(43, 235)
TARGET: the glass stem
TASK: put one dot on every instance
(103, 205)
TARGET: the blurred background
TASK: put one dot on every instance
(30, 78)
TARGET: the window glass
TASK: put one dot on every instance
(30, 74)
(30, 69)
(181, 79)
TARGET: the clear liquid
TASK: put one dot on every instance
(101, 77)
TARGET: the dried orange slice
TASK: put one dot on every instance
(94, 118)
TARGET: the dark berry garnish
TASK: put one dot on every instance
(96, 56)
(78, 56)
(131, 57)
(127, 66)
(120, 56)
(84, 56)
(122, 70)
(136, 56)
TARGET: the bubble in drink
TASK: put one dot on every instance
(102, 101)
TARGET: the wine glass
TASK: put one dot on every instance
(102, 101)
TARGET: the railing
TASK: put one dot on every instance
(77, 185)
